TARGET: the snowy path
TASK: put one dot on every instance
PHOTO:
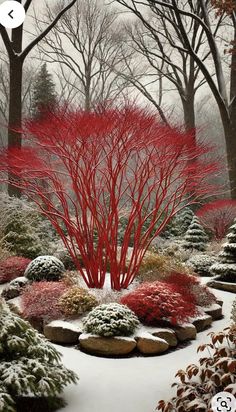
(130, 385)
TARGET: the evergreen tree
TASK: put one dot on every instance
(225, 270)
(20, 239)
(44, 94)
(179, 224)
(28, 364)
(195, 237)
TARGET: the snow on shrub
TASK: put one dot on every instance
(40, 300)
(216, 372)
(76, 301)
(158, 302)
(12, 268)
(233, 312)
(111, 319)
(45, 268)
(201, 264)
(14, 288)
(195, 237)
(190, 288)
(29, 365)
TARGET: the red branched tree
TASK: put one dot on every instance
(85, 170)
(217, 217)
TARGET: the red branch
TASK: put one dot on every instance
(86, 170)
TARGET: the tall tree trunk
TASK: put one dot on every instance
(15, 97)
(189, 113)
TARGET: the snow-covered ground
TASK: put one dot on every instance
(134, 384)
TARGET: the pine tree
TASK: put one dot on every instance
(179, 224)
(225, 270)
(28, 364)
(195, 237)
(44, 94)
(20, 239)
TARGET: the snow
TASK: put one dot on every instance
(66, 325)
(133, 384)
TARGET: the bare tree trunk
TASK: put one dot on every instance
(189, 113)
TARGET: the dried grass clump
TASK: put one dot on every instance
(77, 301)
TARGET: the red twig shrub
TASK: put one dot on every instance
(191, 289)
(12, 268)
(217, 217)
(87, 170)
(157, 303)
(40, 300)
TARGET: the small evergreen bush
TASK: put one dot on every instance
(216, 372)
(40, 300)
(158, 303)
(111, 319)
(76, 301)
(225, 269)
(14, 288)
(12, 267)
(201, 264)
(29, 365)
(45, 268)
(195, 237)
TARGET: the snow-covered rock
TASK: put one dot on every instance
(59, 331)
(167, 334)
(112, 346)
(215, 311)
(148, 344)
(227, 286)
(202, 322)
(185, 332)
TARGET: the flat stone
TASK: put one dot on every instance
(185, 332)
(62, 332)
(202, 322)
(215, 311)
(219, 302)
(99, 345)
(228, 287)
(151, 345)
(167, 334)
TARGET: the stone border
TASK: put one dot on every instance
(226, 286)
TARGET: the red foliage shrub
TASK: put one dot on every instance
(106, 163)
(12, 268)
(217, 216)
(40, 300)
(191, 288)
(158, 303)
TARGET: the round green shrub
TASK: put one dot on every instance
(47, 268)
(111, 319)
(76, 301)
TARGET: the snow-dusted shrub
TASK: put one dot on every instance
(45, 268)
(158, 302)
(233, 312)
(216, 372)
(29, 365)
(190, 288)
(225, 269)
(156, 267)
(195, 237)
(12, 267)
(40, 300)
(14, 288)
(111, 319)
(21, 239)
(201, 264)
(76, 301)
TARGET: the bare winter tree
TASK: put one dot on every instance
(16, 57)
(200, 15)
(86, 43)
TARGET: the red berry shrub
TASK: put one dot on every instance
(159, 303)
(40, 300)
(191, 288)
(12, 268)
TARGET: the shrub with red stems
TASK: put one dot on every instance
(87, 170)
(13, 267)
(190, 288)
(40, 300)
(217, 217)
(159, 303)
